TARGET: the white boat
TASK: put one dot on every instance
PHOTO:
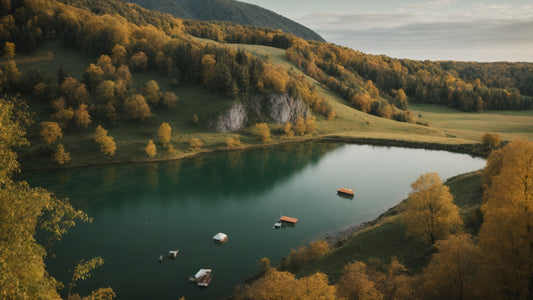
(202, 278)
(277, 225)
(173, 253)
(161, 258)
(220, 237)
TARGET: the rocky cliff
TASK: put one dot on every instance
(279, 108)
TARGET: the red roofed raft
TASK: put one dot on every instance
(288, 220)
(345, 191)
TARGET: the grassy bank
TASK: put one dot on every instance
(376, 242)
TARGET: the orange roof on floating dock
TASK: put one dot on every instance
(345, 191)
(288, 219)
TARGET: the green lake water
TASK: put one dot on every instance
(142, 211)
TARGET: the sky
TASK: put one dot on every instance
(465, 30)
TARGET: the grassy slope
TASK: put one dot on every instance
(385, 237)
(131, 137)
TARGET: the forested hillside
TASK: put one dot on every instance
(229, 10)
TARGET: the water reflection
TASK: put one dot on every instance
(213, 176)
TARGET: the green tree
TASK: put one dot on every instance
(506, 235)
(431, 213)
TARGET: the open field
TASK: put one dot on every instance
(509, 124)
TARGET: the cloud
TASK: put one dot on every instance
(495, 32)
(432, 4)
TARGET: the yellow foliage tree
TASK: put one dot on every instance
(395, 283)
(61, 156)
(137, 108)
(356, 284)
(50, 132)
(208, 68)
(263, 132)
(431, 213)
(9, 50)
(164, 132)
(451, 271)
(304, 255)
(233, 142)
(506, 235)
(287, 129)
(107, 144)
(310, 126)
(150, 149)
(169, 100)
(119, 54)
(195, 144)
(83, 118)
(283, 285)
(299, 126)
(491, 140)
(152, 94)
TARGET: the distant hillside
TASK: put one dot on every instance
(229, 10)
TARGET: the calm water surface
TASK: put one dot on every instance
(142, 211)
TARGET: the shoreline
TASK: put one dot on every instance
(473, 149)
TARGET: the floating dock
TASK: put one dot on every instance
(286, 219)
(345, 191)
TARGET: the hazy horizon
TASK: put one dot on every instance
(466, 30)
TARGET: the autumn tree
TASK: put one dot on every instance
(452, 270)
(283, 285)
(287, 130)
(150, 149)
(310, 126)
(431, 213)
(491, 140)
(394, 283)
(233, 142)
(164, 132)
(152, 94)
(262, 131)
(24, 211)
(506, 235)
(61, 156)
(208, 69)
(400, 99)
(138, 61)
(107, 143)
(9, 50)
(299, 126)
(195, 144)
(50, 132)
(356, 284)
(63, 114)
(169, 100)
(82, 116)
(136, 107)
(304, 255)
(119, 55)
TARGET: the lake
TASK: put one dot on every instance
(141, 211)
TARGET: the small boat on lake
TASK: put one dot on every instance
(173, 253)
(220, 237)
(202, 278)
(290, 220)
(345, 192)
(277, 225)
(161, 258)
